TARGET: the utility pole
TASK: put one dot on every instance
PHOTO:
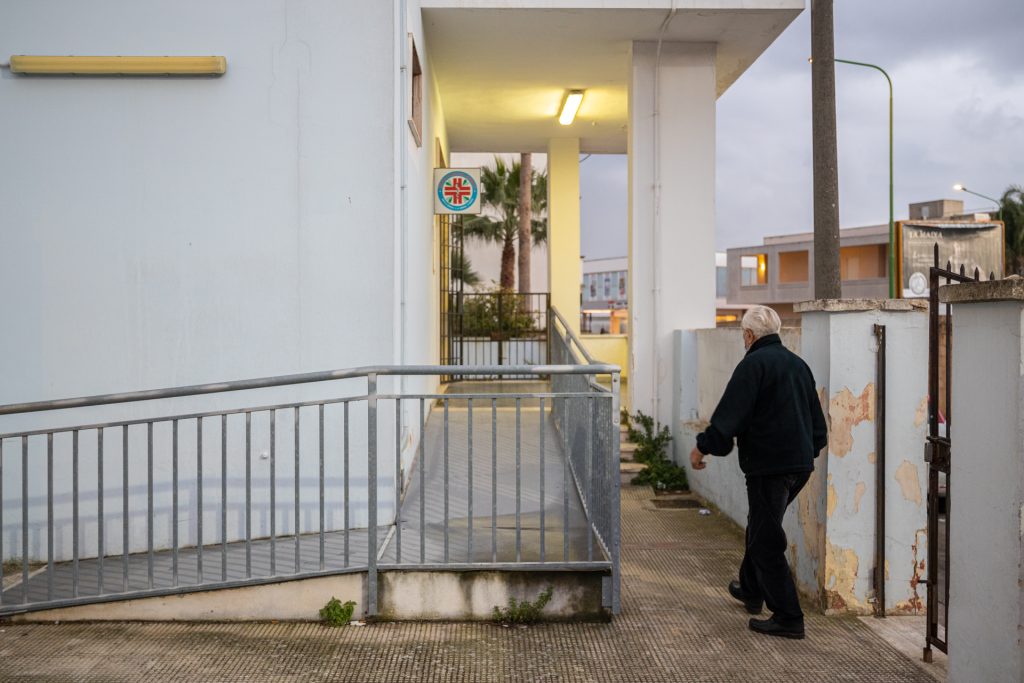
(827, 283)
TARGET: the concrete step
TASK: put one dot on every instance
(630, 467)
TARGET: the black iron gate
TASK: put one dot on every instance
(493, 328)
(453, 263)
(939, 450)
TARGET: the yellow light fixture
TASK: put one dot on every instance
(570, 107)
(118, 66)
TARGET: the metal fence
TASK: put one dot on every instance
(496, 328)
(939, 449)
(355, 481)
(586, 414)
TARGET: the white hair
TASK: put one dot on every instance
(762, 321)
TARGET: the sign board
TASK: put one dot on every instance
(976, 244)
(456, 190)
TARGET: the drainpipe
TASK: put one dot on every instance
(656, 223)
(880, 473)
(403, 37)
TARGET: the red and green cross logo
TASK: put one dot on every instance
(457, 191)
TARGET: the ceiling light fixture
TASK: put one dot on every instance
(570, 106)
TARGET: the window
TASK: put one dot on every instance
(793, 266)
(754, 270)
(867, 262)
(416, 99)
(721, 282)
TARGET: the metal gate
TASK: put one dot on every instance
(453, 263)
(486, 328)
(939, 450)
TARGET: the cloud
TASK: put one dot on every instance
(959, 116)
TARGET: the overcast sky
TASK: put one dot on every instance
(958, 73)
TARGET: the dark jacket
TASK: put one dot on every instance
(771, 408)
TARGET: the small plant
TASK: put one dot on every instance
(524, 612)
(652, 443)
(334, 613)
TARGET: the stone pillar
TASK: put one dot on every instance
(672, 211)
(986, 482)
(565, 273)
(832, 533)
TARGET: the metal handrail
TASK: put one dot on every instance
(575, 340)
(301, 378)
(589, 444)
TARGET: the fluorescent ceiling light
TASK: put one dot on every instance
(118, 66)
(570, 107)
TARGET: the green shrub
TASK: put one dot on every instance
(652, 445)
(334, 613)
(499, 312)
(524, 612)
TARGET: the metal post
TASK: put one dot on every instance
(371, 465)
(880, 474)
(614, 541)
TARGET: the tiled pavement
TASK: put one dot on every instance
(677, 625)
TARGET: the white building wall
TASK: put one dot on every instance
(160, 232)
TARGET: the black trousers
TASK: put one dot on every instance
(765, 572)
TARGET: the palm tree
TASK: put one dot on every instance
(1011, 206)
(462, 269)
(499, 194)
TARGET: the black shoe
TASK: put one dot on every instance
(770, 627)
(753, 605)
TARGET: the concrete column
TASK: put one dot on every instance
(672, 211)
(986, 482)
(565, 274)
(832, 534)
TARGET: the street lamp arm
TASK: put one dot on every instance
(871, 66)
(892, 223)
(983, 196)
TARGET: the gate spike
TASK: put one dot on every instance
(991, 275)
(977, 274)
(963, 271)
(936, 252)
(949, 265)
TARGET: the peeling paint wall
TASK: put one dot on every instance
(831, 526)
(850, 383)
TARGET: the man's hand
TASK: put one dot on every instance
(697, 459)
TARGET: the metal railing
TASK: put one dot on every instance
(355, 481)
(587, 417)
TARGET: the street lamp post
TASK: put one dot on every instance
(892, 225)
(999, 205)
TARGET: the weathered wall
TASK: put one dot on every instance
(831, 525)
(851, 469)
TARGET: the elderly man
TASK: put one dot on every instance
(771, 408)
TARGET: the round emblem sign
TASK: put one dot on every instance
(457, 191)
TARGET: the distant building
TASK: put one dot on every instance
(780, 272)
(604, 302)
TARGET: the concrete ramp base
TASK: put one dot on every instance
(402, 596)
(473, 595)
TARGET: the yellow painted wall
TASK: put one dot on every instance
(609, 348)
(564, 270)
